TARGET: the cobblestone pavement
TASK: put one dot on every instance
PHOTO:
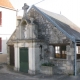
(6, 74)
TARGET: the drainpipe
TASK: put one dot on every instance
(75, 57)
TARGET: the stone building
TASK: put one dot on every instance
(7, 23)
(42, 33)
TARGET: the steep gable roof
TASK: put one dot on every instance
(62, 23)
(6, 4)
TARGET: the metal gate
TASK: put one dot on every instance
(24, 59)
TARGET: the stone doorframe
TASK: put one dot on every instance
(33, 54)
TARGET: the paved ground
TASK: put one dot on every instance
(6, 74)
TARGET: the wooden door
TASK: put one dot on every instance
(11, 47)
(24, 59)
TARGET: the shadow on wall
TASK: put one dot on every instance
(4, 46)
(3, 58)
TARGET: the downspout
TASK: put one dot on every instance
(17, 50)
(75, 57)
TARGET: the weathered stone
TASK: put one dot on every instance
(69, 57)
(47, 70)
(68, 48)
(50, 35)
(53, 35)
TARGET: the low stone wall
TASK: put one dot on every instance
(46, 70)
(3, 58)
(62, 66)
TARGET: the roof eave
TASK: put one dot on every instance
(77, 40)
(8, 8)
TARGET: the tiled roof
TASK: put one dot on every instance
(6, 4)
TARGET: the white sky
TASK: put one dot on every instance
(68, 8)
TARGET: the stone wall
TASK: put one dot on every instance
(46, 30)
(50, 34)
(78, 66)
(65, 65)
(70, 58)
(60, 66)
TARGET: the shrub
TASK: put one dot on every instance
(47, 64)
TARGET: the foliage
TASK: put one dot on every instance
(47, 64)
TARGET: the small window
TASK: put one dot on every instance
(57, 51)
(60, 51)
(78, 52)
(0, 18)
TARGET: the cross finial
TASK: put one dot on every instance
(25, 7)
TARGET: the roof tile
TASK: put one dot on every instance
(6, 4)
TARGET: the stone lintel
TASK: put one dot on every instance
(27, 40)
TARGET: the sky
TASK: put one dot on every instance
(68, 8)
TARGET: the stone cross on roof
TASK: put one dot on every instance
(25, 8)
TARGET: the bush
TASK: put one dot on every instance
(47, 64)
